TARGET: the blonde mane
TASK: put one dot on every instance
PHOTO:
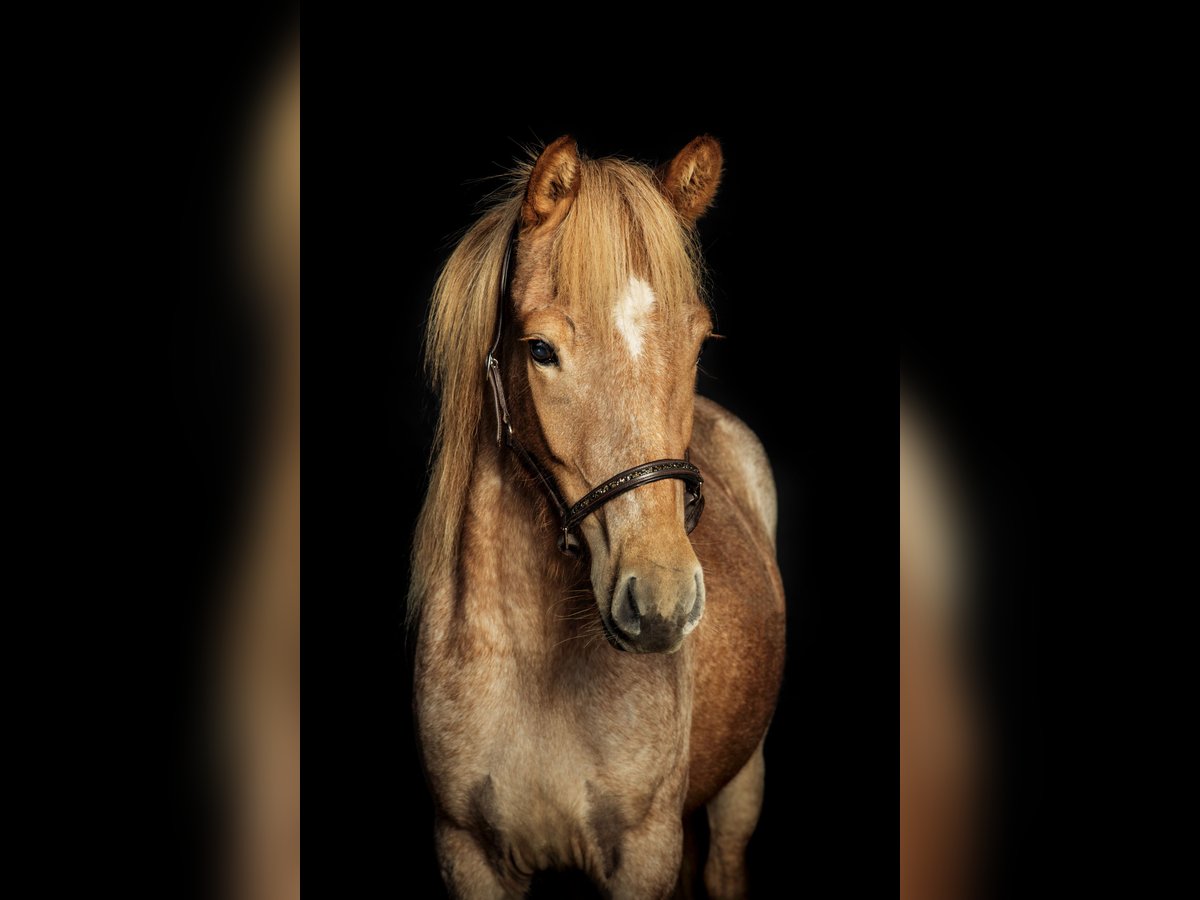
(620, 224)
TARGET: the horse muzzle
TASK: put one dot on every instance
(655, 607)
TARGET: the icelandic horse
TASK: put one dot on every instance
(576, 696)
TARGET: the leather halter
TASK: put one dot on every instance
(570, 515)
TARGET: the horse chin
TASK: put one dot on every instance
(611, 634)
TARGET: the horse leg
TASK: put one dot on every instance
(732, 815)
(465, 867)
(649, 860)
(693, 860)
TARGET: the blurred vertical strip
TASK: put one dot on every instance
(257, 668)
(939, 737)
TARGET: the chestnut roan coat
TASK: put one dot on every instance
(572, 711)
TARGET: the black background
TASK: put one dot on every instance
(802, 364)
(935, 225)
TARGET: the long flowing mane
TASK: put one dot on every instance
(619, 225)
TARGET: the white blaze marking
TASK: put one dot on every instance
(632, 309)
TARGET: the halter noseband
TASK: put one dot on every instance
(570, 515)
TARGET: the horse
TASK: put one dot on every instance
(587, 675)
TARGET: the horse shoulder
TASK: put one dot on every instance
(733, 455)
(739, 646)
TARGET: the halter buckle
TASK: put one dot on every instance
(568, 543)
(498, 401)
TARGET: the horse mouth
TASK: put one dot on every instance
(611, 634)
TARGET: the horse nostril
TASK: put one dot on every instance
(626, 614)
(697, 608)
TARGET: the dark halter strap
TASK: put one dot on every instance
(570, 515)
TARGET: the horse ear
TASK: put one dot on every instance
(552, 184)
(690, 180)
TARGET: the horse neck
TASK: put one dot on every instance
(512, 586)
(511, 594)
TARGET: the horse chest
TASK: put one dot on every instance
(551, 772)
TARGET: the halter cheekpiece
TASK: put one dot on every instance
(570, 515)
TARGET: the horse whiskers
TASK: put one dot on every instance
(579, 598)
(567, 639)
(565, 609)
(586, 632)
(581, 616)
(712, 625)
(583, 601)
(572, 606)
(574, 594)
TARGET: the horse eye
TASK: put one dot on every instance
(542, 353)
